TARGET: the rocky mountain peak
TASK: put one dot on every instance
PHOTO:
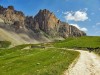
(44, 11)
(46, 14)
(11, 7)
(47, 21)
(43, 22)
(51, 25)
(10, 16)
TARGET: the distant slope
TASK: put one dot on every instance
(16, 38)
(83, 42)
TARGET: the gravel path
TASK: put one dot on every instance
(87, 64)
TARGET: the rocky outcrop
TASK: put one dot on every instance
(45, 23)
(76, 32)
(9, 15)
(66, 30)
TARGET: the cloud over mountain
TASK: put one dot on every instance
(76, 16)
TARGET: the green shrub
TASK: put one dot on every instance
(4, 44)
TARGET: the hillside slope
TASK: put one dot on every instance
(80, 42)
(16, 38)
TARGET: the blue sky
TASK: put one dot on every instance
(84, 14)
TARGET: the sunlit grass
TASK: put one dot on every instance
(50, 61)
(88, 41)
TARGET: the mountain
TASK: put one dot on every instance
(48, 23)
(44, 27)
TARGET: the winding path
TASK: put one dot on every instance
(87, 64)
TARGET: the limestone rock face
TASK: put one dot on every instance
(66, 30)
(9, 15)
(76, 32)
(45, 23)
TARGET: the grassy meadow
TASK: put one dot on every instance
(35, 61)
(45, 58)
(80, 43)
(87, 41)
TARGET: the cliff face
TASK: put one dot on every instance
(76, 32)
(66, 30)
(45, 23)
(11, 16)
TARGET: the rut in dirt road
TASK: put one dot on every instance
(87, 64)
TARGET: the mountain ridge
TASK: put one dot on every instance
(42, 27)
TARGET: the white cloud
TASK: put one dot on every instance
(84, 29)
(76, 16)
(75, 25)
(80, 28)
(97, 24)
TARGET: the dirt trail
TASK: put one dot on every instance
(87, 64)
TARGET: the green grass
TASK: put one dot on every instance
(80, 43)
(44, 61)
(50, 61)
(87, 41)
